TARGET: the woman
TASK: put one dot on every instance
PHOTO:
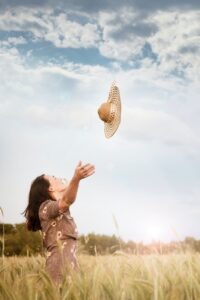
(48, 210)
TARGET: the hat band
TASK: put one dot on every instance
(112, 113)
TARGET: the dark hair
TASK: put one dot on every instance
(38, 194)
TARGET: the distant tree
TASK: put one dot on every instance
(19, 241)
(8, 228)
(191, 243)
(130, 247)
(100, 244)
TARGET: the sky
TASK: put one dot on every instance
(58, 60)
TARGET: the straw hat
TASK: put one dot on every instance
(110, 111)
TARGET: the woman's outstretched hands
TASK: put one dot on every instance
(83, 171)
(69, 195)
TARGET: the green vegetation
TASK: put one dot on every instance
(17, 240)
(108, 277)
(110, 269)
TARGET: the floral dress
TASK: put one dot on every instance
(60, 235)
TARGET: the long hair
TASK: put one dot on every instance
(38, 194)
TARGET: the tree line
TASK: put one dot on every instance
(17, 240)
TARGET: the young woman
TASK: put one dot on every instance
(48, 211)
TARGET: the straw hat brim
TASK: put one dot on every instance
(114, 97)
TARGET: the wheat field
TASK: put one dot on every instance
(111, 277)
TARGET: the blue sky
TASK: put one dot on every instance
(57, 63)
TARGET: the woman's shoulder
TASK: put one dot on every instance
(44, 203)
(49, 209)
(43, 208)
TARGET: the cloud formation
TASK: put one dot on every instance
(49, 95)
(170, 39)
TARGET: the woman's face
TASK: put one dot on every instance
(56, 184)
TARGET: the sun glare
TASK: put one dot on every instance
(156, 230)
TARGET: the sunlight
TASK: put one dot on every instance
(156, 230)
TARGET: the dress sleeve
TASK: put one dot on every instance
(49, 209)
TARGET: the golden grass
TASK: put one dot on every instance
(111, 277)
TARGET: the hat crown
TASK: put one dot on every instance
(105, 112)
(110, 111)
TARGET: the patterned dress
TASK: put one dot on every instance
(60, 235)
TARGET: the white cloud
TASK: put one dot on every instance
(13, 41)
(73, 34)
(121, 50)
(57, 29)
(172, 35)
(127, 46)
(33, 92)
(158, 126)
(177, 42)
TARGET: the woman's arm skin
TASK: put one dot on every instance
(69, 195)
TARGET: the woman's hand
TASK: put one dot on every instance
(69, 196)
(83, 171)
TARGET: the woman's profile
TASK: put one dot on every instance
(48, 210)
